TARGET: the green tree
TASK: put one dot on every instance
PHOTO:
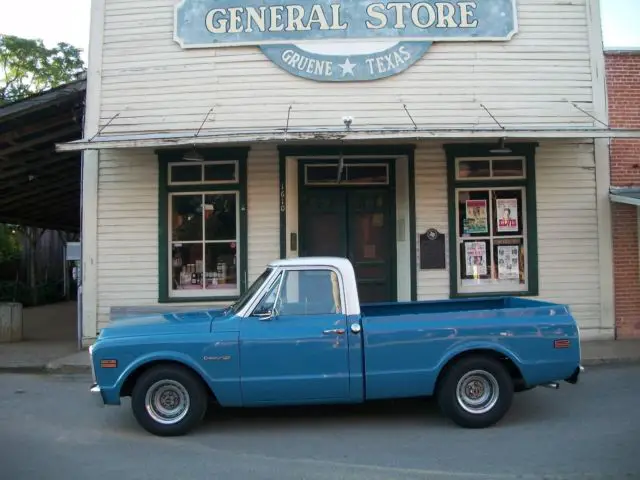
(28, 67)
(9, 245)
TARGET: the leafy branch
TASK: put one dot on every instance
(28, 67)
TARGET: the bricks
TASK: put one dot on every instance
(623, 86)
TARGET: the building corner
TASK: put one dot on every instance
(603, 176)
(90, 160)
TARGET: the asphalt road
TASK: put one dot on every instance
(51, 429)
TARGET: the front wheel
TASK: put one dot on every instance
(169, 400)
(476, 392)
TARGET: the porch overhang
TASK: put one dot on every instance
(626, 195)
(312, 135)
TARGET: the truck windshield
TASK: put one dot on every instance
(255, 286)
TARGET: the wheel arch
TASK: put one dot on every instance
(133, 376)
(504, 358)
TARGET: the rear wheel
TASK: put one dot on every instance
(476, 392)
(169, 400)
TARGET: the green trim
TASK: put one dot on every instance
(282, 175)
(412, 226)
(527, 150)
(210, 154)
(365, 150)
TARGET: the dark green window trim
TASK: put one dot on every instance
(526, 150)
(407, 150)
(210, 154)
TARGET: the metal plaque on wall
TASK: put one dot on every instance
(432, 250)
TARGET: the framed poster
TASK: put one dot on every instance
(476, 258)
(476, 219)
(507, 215)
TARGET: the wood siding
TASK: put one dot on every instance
(567, 225)
(155, 86)
(128, 225)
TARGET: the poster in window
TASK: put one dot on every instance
(507, 214)
(476, 218)
(476, 258)
(508, 262)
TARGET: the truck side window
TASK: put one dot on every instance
(310, 292)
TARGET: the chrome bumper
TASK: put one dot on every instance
(96, 393)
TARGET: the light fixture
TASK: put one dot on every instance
(193, 156)
(501, 148)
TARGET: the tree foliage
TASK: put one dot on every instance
(9, 244)
(28, 67)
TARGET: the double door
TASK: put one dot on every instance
(356, 223)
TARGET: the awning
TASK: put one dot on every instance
(40, 187)
(228, 136)
(628, 195)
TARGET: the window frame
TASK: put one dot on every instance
(346, 166)
(166, 190)
(202, 166)
(456, 153)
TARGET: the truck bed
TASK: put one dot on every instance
(477, 307)
(406, 344)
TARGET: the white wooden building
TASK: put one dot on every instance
(203, 164)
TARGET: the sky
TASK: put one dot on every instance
(68, 21)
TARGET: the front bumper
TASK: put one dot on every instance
(96, 393)
(573, 379)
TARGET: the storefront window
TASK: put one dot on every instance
(204, 243)
(492, 209)
(491, 226)
(203, 227)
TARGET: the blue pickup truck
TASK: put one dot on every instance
(299, 335)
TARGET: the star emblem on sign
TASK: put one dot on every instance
(347, 67)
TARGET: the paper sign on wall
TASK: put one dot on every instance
(507, 214)
(476, 218)
(476, 257)
(508, 262)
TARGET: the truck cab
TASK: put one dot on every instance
(299, 335)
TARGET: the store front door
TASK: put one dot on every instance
(356, 223)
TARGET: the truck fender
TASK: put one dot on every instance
(161, 356)
(470, 347)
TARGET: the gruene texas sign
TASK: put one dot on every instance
(329, 40)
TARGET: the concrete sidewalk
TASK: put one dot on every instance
(62, 358)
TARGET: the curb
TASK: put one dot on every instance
(593, 362)
(26, 369)
(52, 368)
(46, 369)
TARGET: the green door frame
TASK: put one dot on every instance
(391, 152)
(390, 188)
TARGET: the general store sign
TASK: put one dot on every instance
(329, 40)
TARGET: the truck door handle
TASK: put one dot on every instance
(334, 331)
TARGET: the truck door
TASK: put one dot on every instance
(294, 345)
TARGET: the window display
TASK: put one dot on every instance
(491, 238)
(491, 226)
(204, 240)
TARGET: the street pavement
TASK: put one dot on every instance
(51, 429)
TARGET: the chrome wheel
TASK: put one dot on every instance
(167, 402)
(477, 391)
